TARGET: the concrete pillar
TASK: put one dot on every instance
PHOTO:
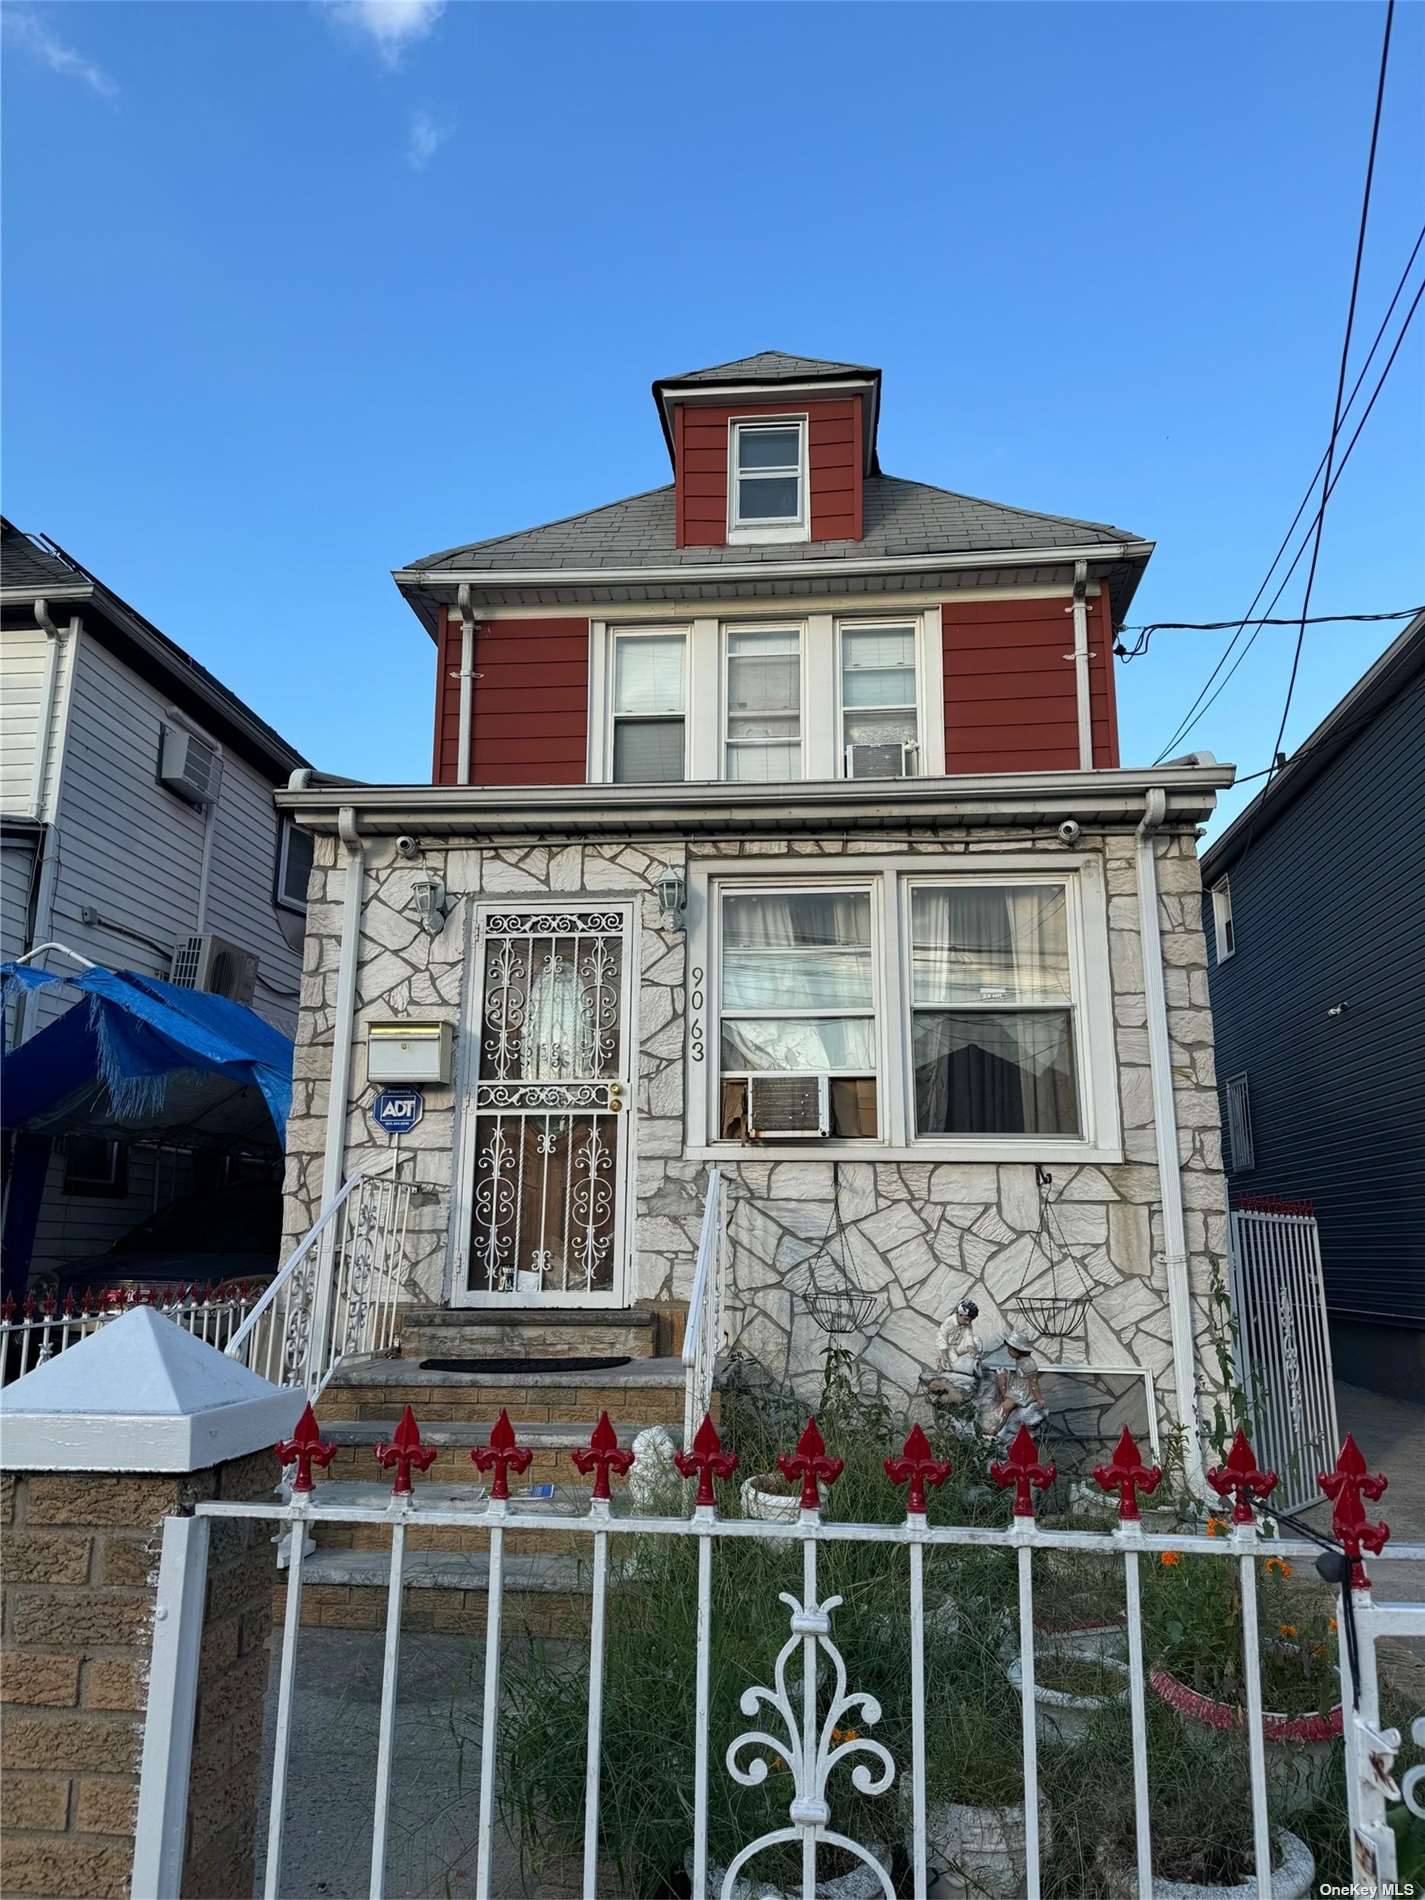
(137, 1423)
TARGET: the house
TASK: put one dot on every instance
(138, 831)
(777, 824)
(1320, 1009)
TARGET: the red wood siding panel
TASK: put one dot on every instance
(530, 706)
(1010, 702)
(834, 438)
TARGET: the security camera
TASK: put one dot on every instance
(1070, 831)
(407, 847)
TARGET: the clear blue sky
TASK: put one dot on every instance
(298, 292)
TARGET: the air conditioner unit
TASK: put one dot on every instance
(217, 966)
(190, 766)
(890, 760)
(786, 1107)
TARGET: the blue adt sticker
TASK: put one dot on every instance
(398, 1110)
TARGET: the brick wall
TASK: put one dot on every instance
(80, 1555)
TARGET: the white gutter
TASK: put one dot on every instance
(773, 570)
(334, 1161)
(1082, 698)
(1165, 1123)
(467, 675)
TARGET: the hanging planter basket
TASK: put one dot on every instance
(830, 1291)
(1049, 1316)
(1061, 1310)
(838, 1310)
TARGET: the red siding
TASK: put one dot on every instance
(1010, 701)
(530, 705)
(833, 450)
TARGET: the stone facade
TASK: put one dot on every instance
(925, 1233)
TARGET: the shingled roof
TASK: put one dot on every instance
(768, 366)
(899, 517)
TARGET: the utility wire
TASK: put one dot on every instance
(1145, 633)
(1310, 487)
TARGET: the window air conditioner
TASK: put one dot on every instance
(217, 966)
(190, 766)
(784, 1107)
(890, 760)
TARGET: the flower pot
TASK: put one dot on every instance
(1059, 1714)
(859, 1883)
(1298, 1746)
(772, 1506)
(980, 1850)
(1293, 1877)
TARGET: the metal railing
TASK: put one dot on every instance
(34, 1329)
(336, 1296)
(702, 1340)
(797, 1721)
(1282, 1344)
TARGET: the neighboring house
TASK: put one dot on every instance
(1315, 907)
(778, 822)
(138, 830)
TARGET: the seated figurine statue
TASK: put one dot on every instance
(1011, 1396)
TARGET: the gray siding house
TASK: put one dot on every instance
(1314, 912)
(136, 817)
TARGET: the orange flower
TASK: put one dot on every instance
(1215, 1527)
(853, 1734)
(1277, 1564)
(1286, 1629)
(1171, 1557)
(1331, 1624)
(1318, 1650)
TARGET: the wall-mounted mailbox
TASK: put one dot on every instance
(408, 1052)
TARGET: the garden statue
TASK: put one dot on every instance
(1011, 1397)
(959, 1352)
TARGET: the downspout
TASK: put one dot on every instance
(1082, 698)
(333, 1166)
(467, 676)
(43, 873)
(53, 636)
(1165, 1123)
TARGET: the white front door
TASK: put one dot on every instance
(547, 1109)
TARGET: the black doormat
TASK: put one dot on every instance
(523, 1365)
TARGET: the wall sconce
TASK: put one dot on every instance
(672, 894)
(432, 906)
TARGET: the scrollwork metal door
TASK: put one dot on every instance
(547, 1151)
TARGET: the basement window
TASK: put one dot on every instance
(767, 485)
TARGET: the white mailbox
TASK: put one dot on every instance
(408, 1052)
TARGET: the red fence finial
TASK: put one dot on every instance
(405, 1450)
(304, 1448)
(1128, 1475)
(1345, 1486)
(810, 1463)
(502, 1456)
(1022, 1469)
(602, 1455)
(917, 1467)
(1240, 1479)
(706, 1461)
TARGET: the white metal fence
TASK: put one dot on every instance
(798, 1714)
(337, 1295)
(1282, 1346)
(34, 1329)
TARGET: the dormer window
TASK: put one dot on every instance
(767, 485)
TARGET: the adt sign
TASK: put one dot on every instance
(398, 1110)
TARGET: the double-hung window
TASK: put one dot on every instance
(1225, 936)
(880, 715)
(649, 702)
(763, 695)
(953, 1015)
(767, 485)
(294, 865)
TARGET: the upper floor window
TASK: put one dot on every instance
(294, 865)
(763, 698)
(767, 485)
(649, 707)
(880, 712)
(1222, 919)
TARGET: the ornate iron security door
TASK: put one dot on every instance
(548, 1161)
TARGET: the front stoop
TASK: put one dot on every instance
(445, 1591)
(443, 1332)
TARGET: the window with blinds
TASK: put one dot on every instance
(880, 719)
(649, 708)
(763, 738)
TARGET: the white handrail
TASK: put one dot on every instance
(704, 1311)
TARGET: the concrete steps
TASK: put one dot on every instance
(551, 1444)
(644, 1392)
(544, 1595)
(375, 1494)
(440, 1332)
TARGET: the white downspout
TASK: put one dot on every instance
(53, 637)
(1165, 1122)
(334, 1162)
(44, 870)
(1082, 691)
(467, 676)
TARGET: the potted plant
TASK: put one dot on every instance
(1074, 1680)
(974, 1774)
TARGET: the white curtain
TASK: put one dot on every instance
(1014, 939)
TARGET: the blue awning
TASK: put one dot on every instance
(135, 1037)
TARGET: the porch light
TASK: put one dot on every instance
(428, 896)
(672, 895)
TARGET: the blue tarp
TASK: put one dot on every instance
(135, 1034)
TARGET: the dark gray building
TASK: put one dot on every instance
(1314, 909)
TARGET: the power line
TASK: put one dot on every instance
(1145, 633)
(1188, 720)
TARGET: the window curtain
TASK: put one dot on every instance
(967, 940)
(981, 1072)
(796, 951)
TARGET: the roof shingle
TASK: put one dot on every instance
(768, 366)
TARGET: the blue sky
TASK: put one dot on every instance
(298, 292)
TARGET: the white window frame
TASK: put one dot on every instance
(726, 630)
(926, 680)
(1237, 1095)
(607, 675)
(285, 832)
(790, 528)
(891, 878)
(1223, 929)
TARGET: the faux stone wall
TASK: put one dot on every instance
(925, 1233)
